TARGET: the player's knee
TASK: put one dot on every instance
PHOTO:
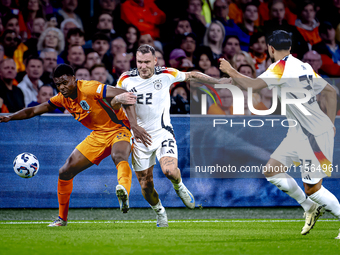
(171, 173)
(66, 172)
(310, 190)
(119, 156)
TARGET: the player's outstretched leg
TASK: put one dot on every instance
(161, 216)
(311, 216)
(76, 163)
(124, 177)
(172, 172)
(145, 179)
(288, 185)
(120, 154)
(319, 194)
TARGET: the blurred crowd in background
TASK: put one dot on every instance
(99, 40)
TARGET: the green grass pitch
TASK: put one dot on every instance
(230, 236)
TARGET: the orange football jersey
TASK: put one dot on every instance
(90, 107)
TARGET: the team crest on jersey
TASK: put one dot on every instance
(157, 84)
(84, 105)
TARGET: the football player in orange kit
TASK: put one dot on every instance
(86, 101)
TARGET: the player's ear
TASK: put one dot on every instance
(155, 60)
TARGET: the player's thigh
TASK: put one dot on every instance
(167, 147)
(75, 163)
(316, 156)
(145, 178)
(142, 159)
(274, 167)
(283, 157)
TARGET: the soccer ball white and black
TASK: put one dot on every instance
(26, 165)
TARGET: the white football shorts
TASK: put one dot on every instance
(313, 153)
(163, 145)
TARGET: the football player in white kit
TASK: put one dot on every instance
(309, 143)
(151, 84)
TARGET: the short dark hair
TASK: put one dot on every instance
(301, 5)
(96, 66)
(33, 57)
(63, 69)
(5, 19)
(100, 36)
(253, 3)
(146, 48)
(227, 39)
(45, 85)
(280, 40)
(324, 27)
(75, 31)
(255, 37)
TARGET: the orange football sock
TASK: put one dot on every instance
(124, 175)
(64, 193)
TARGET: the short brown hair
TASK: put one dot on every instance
(95, 66)
(146, 48)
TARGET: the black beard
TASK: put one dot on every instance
(9, 51)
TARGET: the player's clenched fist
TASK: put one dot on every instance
(225, 66)
(125, 98)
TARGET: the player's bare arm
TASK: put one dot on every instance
(328, 94)
(139, 133)
(205, 79)
(240, 79)
(29, 112)
(128, 99)
(120, 96)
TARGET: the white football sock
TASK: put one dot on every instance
(158, 208)
(288, 185)
(327, 200)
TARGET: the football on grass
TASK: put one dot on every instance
(26, 165)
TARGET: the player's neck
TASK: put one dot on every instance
(75, 92)
(280, 55)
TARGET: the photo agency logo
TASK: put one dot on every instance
(289, 96)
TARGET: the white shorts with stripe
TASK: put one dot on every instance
(163, 145)
(313, 153)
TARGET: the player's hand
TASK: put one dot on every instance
(225, 66)
(141, 135)
(126, 98)
(334, 128)
(5, 118)
(187, 63)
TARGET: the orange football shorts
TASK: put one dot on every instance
(98, 144)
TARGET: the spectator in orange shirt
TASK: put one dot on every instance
(250, 16)
(236, 10)
(307, 25)
(258, 49)
(11, 22)
(144, 14)
(278, 22)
